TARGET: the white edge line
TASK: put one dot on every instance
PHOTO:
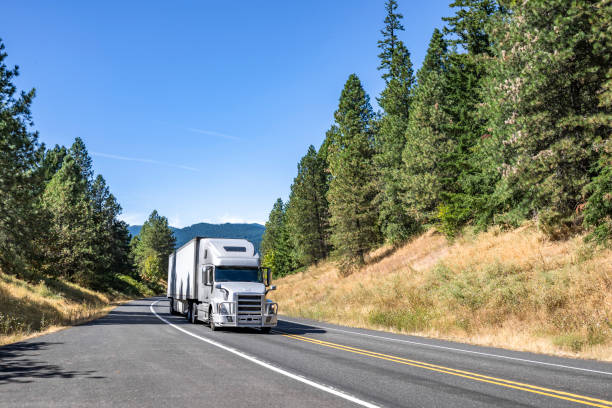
(452, 348)
(268, 366)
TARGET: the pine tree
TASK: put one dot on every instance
(69, 244)
(19, 149)
(307, 212)
(389, 42)
(276, 248)
(469, 24)
(352, 188)
(121, 262)
(81, 157)
(51, 161)
(152, 246)
(108, 237)
(396, 226)
(427, 173)
(465, 70)
(273, 225)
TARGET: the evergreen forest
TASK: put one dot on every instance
(508, 119)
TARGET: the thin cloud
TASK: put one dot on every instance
(200, 131)
(211, 133)
(175, 222)
(132, 218)
(150, 161)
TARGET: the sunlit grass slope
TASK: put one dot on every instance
(28, 309)
(512, 289)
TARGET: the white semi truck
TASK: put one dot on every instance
(221, 283)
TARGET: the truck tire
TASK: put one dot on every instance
(266, 330)
(194, 313)
(171, 306)
(188, 315)
(211, 321)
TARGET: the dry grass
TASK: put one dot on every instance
(28, 310)
(513, 289)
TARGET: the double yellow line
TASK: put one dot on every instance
(581, 399)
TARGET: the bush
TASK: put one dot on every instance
(152, 269)
(413, 319)
(10, 324)
(570, 341)
(450, 219)
(130, 286)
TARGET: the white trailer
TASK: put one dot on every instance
(220, 282)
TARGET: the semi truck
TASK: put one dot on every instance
(219, 281)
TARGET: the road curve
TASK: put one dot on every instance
(139, 355)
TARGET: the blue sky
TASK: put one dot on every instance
(199, 109)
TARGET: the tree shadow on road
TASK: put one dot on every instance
(18, 365)
(128, 317)
(297, 328)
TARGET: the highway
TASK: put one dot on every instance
(141, 356)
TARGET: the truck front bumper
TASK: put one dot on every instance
(245, 320)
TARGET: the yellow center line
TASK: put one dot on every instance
(460, 373)
(448, 368)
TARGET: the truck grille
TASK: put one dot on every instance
(249, 304)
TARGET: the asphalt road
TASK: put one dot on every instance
(140, 356)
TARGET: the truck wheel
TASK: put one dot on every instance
(189, 312)
(266, 330)
(211, 321)
(171, 301)
(194, 313)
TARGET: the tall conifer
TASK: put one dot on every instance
(70, 242)
(427, 174)
(152, 246)
(352, 188)
(276, 246)
(307, 212)
(389, 42)
(396, 226)
(18, 185)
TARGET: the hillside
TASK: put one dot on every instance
(28, 309)
(514, 289)
(251, 232)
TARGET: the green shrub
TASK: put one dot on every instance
(570, 341)
(467, 290)
(11, 324)
(597, 334)
(130, 286)
(414, 319)
(449, 220)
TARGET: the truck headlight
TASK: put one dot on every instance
(272, 308)
(224, 308)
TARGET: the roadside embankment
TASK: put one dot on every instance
(514, 289)
(30, 309)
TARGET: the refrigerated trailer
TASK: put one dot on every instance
(220, 282)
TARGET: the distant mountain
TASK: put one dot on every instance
(251, 232)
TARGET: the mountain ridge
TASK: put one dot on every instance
(249, 231)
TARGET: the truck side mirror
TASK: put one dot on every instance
(268, 275)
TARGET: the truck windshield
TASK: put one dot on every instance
(223, 274)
